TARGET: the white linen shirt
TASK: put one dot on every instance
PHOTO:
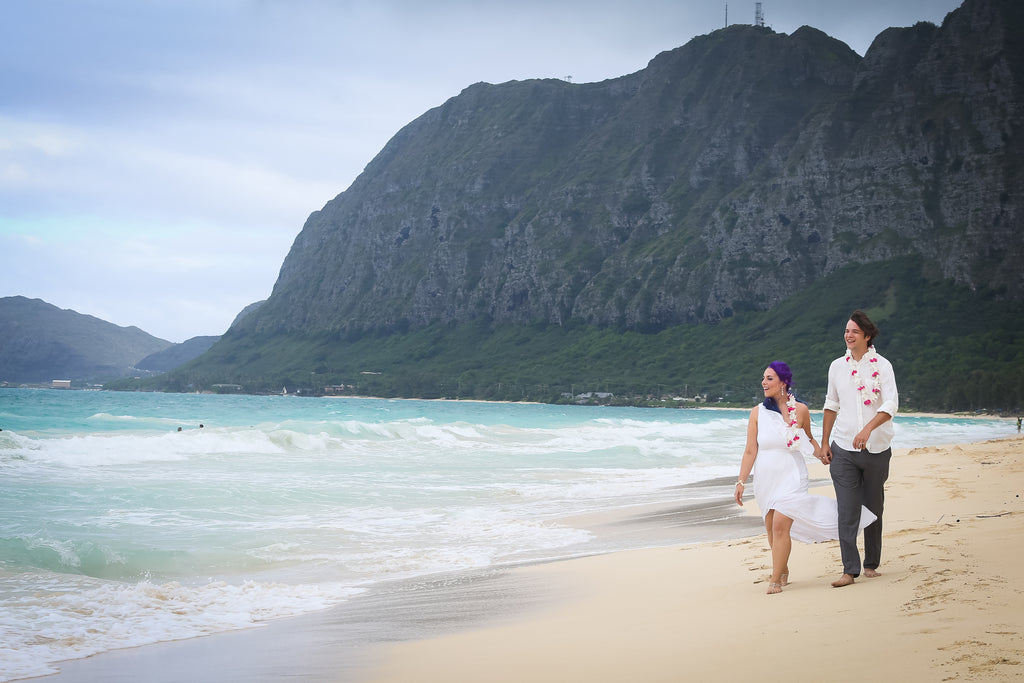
(843, 398)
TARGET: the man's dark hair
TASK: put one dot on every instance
(869, 329)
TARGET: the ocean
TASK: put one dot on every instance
(135, 518)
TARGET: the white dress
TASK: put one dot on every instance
(780, 483)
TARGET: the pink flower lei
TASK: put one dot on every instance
(869, 388)
(793, 434)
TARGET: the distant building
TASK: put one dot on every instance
(60, 384)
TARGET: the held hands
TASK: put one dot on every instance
(824, 454)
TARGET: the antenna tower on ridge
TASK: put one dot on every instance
(758, 15)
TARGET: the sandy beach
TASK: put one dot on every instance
(947, 607)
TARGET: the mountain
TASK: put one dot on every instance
(40, 342)
(176, 354)
(251, 308)
(727, 174)
(179, 354)
(731, 177)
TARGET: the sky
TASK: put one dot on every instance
(159, 157)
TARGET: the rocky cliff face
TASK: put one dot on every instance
(727, 175)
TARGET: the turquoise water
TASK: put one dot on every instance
(117, 529)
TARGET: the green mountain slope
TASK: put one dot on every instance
(954, 349)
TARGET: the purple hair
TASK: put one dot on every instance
(783, 372)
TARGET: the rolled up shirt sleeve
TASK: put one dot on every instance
(832, 396)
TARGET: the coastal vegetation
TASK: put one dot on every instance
(954, 350)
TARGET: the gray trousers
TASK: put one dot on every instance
(859, 479)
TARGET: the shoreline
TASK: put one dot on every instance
(946, 603)
(696, 406)
(703, 406)
(338, 644)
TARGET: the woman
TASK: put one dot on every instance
(778, 438)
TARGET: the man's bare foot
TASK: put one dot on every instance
(844, 580)
(871, 573)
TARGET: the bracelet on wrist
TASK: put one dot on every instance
(740, 483)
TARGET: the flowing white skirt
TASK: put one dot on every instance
(780, 484)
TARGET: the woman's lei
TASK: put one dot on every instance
(793, 434)
(870, 387)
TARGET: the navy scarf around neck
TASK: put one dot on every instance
(769, 403)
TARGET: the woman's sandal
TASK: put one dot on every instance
(774, 588)
(785, 580)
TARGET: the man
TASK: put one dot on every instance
(860, 404)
